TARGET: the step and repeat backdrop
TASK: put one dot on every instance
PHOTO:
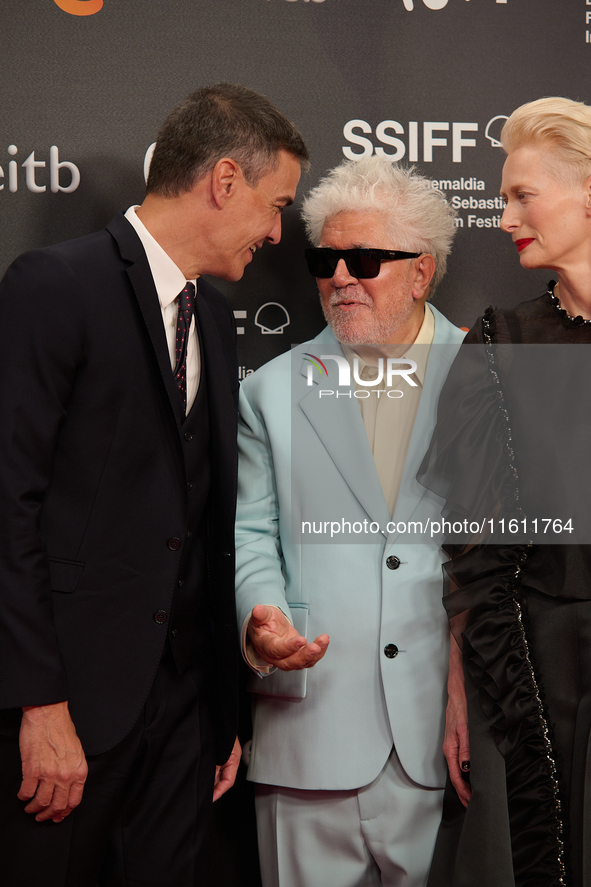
(86, 84)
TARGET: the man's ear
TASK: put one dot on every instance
(424, 267)
(224, 178)
(588, 200)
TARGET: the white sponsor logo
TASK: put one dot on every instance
(426, 141)
(148, 160)
(34, 180)
(432, 4)
(400, 142)
(240, 315)
(272, 318)
(409, 5)
(493, 129)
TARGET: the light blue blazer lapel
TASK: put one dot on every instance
(338, 424)
(446, 342)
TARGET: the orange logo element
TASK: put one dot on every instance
(80, 7)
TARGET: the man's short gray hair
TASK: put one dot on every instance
(418, 217)
(223, 120)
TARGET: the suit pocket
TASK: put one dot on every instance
(289, 684)
(64, 575)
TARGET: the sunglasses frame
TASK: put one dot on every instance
(354, 255)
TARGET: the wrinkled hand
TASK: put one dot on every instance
(456, 744)
(53, 762)
(275, 640)
(225, 775)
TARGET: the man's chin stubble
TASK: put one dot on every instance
(349, 331)
(346, 329)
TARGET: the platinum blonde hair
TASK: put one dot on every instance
(561, 125)
(418, 217)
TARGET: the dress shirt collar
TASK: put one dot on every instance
(169, 280)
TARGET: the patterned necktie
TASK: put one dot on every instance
(186, 301)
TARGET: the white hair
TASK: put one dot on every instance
(417, 216)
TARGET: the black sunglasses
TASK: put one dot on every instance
(361, 263)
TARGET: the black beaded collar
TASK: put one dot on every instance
(577, 321)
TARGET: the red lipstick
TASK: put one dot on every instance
(521, 244)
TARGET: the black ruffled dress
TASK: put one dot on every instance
(521, 608)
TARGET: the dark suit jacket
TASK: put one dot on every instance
(93, 486)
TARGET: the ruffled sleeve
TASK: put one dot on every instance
(491, 583)
(470, 463)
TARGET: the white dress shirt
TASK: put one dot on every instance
(169, 281)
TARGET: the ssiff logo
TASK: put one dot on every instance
(80, 7)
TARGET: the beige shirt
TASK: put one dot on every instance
(389, 420)
(169, 281)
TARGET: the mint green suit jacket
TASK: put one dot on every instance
(307, 458)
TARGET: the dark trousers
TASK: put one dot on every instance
(145, 807)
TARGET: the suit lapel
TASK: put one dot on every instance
(338, 424)
(219, 386)
(140, 277)
(222, 393)
(446, 341)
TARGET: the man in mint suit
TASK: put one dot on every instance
(336, 537)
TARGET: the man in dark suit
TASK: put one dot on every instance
(118, 389)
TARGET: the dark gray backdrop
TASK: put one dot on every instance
(355, 75)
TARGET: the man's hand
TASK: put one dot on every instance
(275, 640)
(54, 765)
(225, 775)
(456, 744)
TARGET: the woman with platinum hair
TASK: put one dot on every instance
(519, 602)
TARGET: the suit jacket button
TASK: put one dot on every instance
(188, 435)
(160, 617)
(391, 651)
(174, 543)
(393, 562)
(174, 632)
